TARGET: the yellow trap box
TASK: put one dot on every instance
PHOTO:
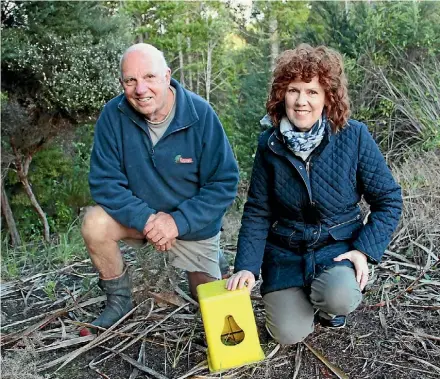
(230, 329)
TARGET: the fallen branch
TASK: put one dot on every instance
(407, 289)
(71, 356)
(335, 370)
(419, 334)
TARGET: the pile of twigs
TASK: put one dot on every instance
(168, 322)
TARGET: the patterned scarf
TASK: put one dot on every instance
(303, 143)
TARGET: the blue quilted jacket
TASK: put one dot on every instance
(300, 215)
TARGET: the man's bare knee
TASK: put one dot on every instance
(96, 224)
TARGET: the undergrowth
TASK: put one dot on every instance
(37, 256)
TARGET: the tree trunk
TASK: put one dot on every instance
(211, 46)
(9, 217)
(190, 69)
(179, 46)
(274, 41)
(37, 207)
(22, 172)
(198, 81)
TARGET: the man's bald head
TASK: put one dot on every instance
(148, 50)
(146, 80)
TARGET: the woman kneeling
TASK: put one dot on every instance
(302, 224)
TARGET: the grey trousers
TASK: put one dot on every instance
(290, 312)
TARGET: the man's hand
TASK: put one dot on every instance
(359, 261)
(240, 279)
(161, 231)
(164, 247)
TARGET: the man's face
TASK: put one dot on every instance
(146, 84)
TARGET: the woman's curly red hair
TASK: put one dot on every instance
(304, 63)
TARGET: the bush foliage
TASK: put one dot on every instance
(60, 59)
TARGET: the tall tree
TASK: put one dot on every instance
(191, 34)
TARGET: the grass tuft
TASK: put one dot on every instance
(34, 257)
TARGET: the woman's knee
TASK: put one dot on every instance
(291, 331)
(289, 315)
(336, 291)
(341, 300)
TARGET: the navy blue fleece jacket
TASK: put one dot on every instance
(190, 173)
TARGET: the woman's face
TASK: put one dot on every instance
(304, 103)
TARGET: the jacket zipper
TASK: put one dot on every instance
(347, 222)
(305, 183)
(148, 136)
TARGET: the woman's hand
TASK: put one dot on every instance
(359, 261)
(240, 279)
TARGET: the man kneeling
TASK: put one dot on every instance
(162, 171)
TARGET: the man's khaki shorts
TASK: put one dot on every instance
(191, 256)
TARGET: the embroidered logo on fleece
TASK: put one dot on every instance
(179, 159)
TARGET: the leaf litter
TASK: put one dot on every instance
(395, 333)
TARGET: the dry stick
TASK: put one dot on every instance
(67, 343)
(102, 375)
(136, 364)
(63, 328)
(273, 352)
(200, 367)
(427, 251)
(405, 367)
(10, 338)
(161, 298)
(70, 295)
(186, 297)
(98, 339)
(140, 360)
(409, 288)
(145, 332)
(36, 276)
(425, 363)
(298, 356)
(426, 307)
(27, 296)
(419, 334)
(383, 322)
(398, 256)
(128, 335)
(148, 330)
(338, 372)
(411, 265)
(422, 281)
(51, 314)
